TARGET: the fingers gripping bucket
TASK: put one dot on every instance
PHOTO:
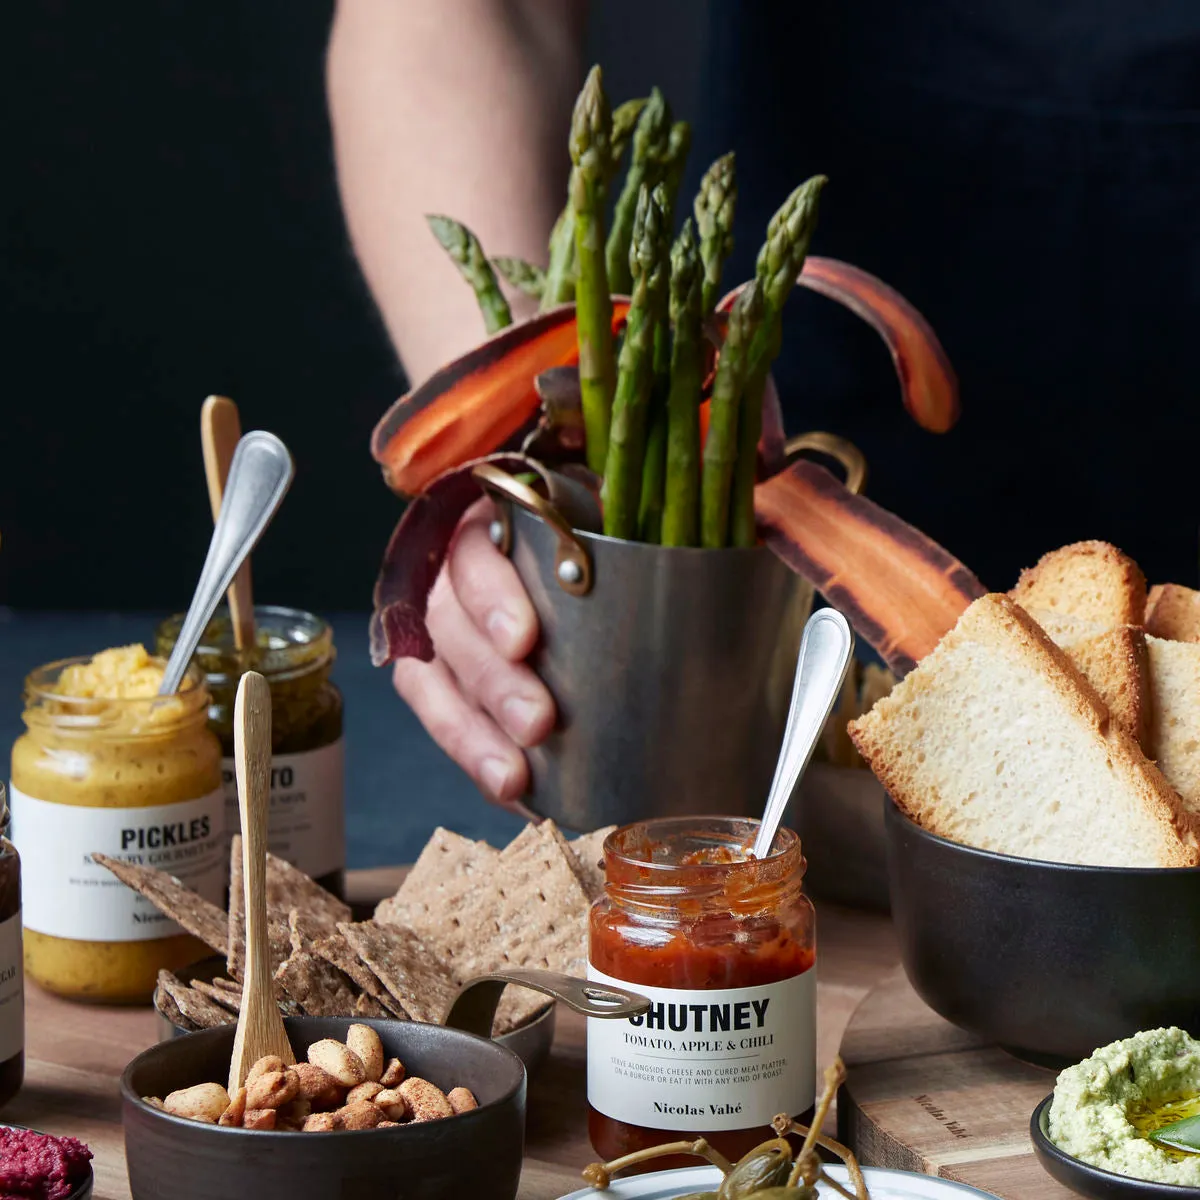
(671, 668)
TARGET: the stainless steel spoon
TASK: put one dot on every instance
(259, 477)
(821, 667)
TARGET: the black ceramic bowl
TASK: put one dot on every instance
(1047, 959)
(1091, 1181)
(84, 1189)
(475, 1154)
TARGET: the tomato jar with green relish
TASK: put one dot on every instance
(106, 765)
(12, 990)
(294, 650)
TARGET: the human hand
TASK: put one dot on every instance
(478, 699)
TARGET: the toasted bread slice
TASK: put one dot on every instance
(1088, 597)
(1091, 581)
(1113, 661)
(997, 741)
(1173, 613)
(1175, 715)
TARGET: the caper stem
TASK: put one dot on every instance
(598, 1174)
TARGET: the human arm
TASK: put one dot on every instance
(458, 106)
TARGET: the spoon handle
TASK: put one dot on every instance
(220, 432)
(821, 667)
(260, 1030)
(259, 477)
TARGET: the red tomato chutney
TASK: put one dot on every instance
(724, 946)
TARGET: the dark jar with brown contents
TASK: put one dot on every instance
(294, 650)
(12, 982)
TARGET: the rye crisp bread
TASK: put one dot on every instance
(518, 1006)
(319, 989)
(533, 913)
(222, 996)
(277, 920)
(589, 851)
(368, 1006)
(336, 950)
(189, 911)
(403, 964)
(165, 1003)
(440, 881)
(194, 1005)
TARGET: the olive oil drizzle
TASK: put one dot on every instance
(1148, 1118)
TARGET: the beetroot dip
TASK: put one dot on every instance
(36, 1166)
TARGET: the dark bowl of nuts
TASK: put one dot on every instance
(372, 1107)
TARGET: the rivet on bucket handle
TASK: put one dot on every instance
(474, 1007)
(847, 453)
(572, 563)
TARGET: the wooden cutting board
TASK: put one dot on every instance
(922, 1095)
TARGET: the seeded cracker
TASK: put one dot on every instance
(319, 989)
(589, 850)
(226, 998)
(190, 911)
(198, 1008)
(441, 880)
(405, 967)
(336, 950)
(165, 1003)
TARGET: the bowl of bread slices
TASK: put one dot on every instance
(1043, 834)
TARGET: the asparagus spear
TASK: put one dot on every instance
(650, 142)
(779, 264)
(559, 286)
(679, 143)
(681, 506)
(648, 266)
(654, 466)
(560, 275)
(463, 246)
(590, 145)
(525, 276)
(721, 448)
(714, 208)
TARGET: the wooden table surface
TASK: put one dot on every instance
(75, 1054)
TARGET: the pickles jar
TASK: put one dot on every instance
(106, 765)
(12, 990)
(724, 947)
(294, 650)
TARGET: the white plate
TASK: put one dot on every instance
(883, 1185)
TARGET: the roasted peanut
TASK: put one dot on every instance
(364, 1041)
(154, 1102)
(273, 1089)
(388, 1125)
(339, 1061)
(236, 1111)
(204, 1102)
(321, 1123)
(259, 1118)
(268, 1062)
(364, 1092)
(462, 1099)
(358, 1116)
(391, 1103)
(293, 1114)
(424, 1101)
(318, 1087)
(393, 1073)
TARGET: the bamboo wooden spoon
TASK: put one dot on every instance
(220, 432)
(260, 1028)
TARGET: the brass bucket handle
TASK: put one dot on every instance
(572, 563)
(853, 460)
(474, 1007)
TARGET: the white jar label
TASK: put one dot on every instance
(12, 989)
(307, 825)
(65, 894)
(700, 1061)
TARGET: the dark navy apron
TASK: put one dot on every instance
(1029, 175)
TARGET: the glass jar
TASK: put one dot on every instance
(136, 777)
(12, 984)
(294, 650)
(724, 946)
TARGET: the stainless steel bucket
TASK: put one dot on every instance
(672, 668)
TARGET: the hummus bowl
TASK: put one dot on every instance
(1087, 1180)
(1049, 960)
